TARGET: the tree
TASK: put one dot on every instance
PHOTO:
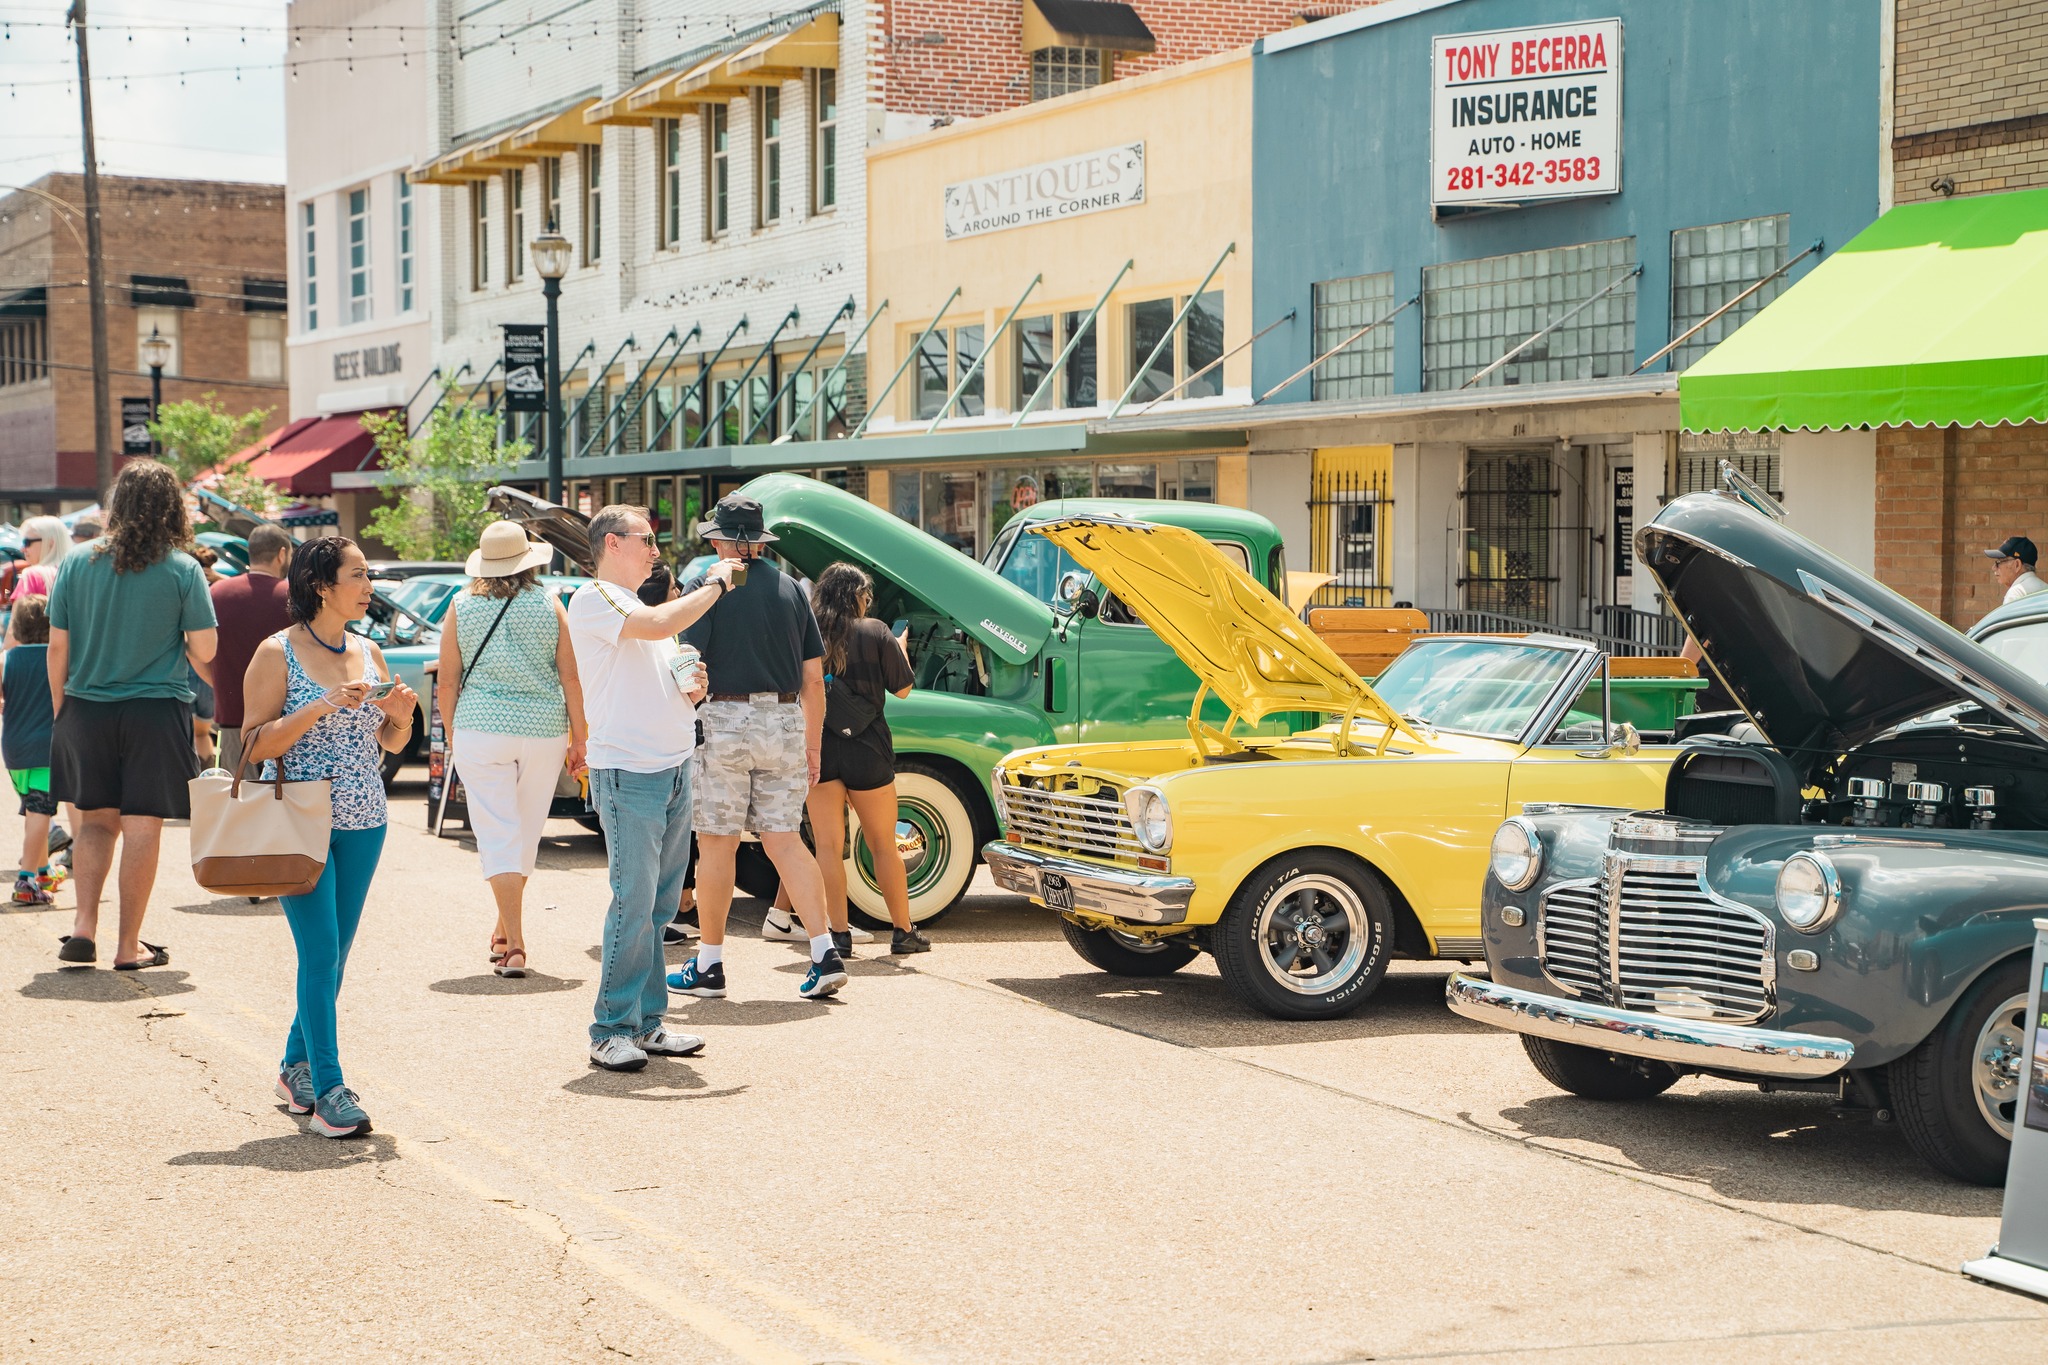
(439, 479)
(198, 436)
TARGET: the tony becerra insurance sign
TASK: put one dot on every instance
(1526, 114)
(1112, 178)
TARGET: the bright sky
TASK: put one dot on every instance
(219, 125)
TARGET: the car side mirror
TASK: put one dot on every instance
(1622, 741)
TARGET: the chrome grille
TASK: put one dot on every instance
(1068, 822)
(1652, 937)
(1571, 928)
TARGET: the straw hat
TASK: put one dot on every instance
(503, 550)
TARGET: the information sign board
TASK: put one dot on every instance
(1523, 115)
(526, 359)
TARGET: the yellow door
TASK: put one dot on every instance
(1558, 772)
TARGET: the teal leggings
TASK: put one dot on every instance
(324, 926)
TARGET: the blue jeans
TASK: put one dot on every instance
(646, 818)
(323, 925)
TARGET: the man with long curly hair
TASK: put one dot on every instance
(127, 613)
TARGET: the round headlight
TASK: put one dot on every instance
(1150, 819)
(1809, 892)
(1517, 856)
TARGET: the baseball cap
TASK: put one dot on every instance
(2016, 547)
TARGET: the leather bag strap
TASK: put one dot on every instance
(462, 678)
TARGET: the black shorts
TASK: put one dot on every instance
(861, 766)
(131, 756)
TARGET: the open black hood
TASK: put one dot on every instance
(1822, 656)
(567, 531)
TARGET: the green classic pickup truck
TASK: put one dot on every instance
(995, 670)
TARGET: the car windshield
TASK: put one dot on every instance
(426, 598)
(1478, 687)
(1037, 565)
(2024, 646)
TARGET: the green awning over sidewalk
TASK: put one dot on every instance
(1934, 315)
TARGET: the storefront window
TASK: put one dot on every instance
(1127, 481)
(1078, 383)
(934, 373)
(1202, 337)
(1474, 312)
(1036, 349)
(904, 485)
(951, 500)
(1148, 324)
(1196, 482)
(1365, 368)
(967, 345)
(661, 509)
(1712, 265)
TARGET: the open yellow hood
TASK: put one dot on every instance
(1238, 638)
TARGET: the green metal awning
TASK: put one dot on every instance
(1934, 315)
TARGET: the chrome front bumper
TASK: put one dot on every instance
(1696, 1044)
(1138, 897)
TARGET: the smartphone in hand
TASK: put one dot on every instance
(381, 691)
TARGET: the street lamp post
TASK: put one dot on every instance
(551, 262)
(156, 353)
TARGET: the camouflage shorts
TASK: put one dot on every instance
(752, 774)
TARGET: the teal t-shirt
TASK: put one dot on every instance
(128, 629)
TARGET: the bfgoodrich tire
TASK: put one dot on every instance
(1595, 1075)
(1123, 955)
(1307, 936)
(1957, 1095)
(939, 837)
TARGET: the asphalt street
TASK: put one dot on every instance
(988, 1153)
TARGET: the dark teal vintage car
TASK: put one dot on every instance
(1839, 891)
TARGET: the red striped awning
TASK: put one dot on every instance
(303, 456)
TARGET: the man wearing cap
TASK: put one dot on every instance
(763, 726)
(2013, 565)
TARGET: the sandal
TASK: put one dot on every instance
(497, 948)
(159, 956)
(505, 967)
(76, 949)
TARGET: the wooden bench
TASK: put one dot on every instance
(1370, 638)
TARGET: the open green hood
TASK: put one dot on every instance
(820, 525)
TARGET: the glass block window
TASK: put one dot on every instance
(1755, 453)
(359, 255)
(1059, 71)
(1711, 265)
(405, 243)
(1365, 368)
(1473, 311)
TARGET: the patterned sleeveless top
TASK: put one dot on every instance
(514, 688)
(342, 745)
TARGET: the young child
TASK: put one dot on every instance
(25, 744)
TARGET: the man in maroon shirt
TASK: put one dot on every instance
(251, 608)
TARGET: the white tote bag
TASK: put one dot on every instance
(262, 839)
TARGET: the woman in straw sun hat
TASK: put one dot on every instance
(509, 694)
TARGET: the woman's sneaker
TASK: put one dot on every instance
(339, 1114)
(905, 941)
(707, 983)
(842, 942)
(295, 1088)
(27, 892)
(781, 926)
(824, 978)
(617, 1053)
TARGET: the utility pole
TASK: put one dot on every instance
(95, 272)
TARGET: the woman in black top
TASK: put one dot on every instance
(863, 665)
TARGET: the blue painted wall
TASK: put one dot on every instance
(1730, 109)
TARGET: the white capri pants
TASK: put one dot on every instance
(510, 781)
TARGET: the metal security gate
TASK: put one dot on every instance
(1514, 553)
(1351, 509)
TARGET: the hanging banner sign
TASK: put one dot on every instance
(135, 419)
(1624, 535)
(1523, 115)
(1113, 178)
(526, 359)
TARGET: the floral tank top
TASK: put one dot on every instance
(341, 746)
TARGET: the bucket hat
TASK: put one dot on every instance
(503, 550)
(737, 518)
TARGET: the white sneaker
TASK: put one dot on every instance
(617, 1053)
(664, 1041)
(783, 928)
(859, 934)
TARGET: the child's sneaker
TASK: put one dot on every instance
(50, 878)
(27, 892)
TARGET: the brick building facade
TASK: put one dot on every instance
(966, 58)
(1969, 116)
(201, 261)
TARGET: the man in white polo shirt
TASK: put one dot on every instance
(643, 725)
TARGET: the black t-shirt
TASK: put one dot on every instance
(757, 637)
(874, 669)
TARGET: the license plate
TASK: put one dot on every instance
(1057, 891)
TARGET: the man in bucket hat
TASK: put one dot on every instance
(763, 724)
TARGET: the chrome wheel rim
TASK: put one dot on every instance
(1997, 1062)
(922, 841)
(1311, 934)
(1133, 944)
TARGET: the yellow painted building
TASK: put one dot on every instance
(994, 241)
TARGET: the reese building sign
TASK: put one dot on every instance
(1093, 182)
(1522, 115)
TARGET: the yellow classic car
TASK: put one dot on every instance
(1302, 863)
